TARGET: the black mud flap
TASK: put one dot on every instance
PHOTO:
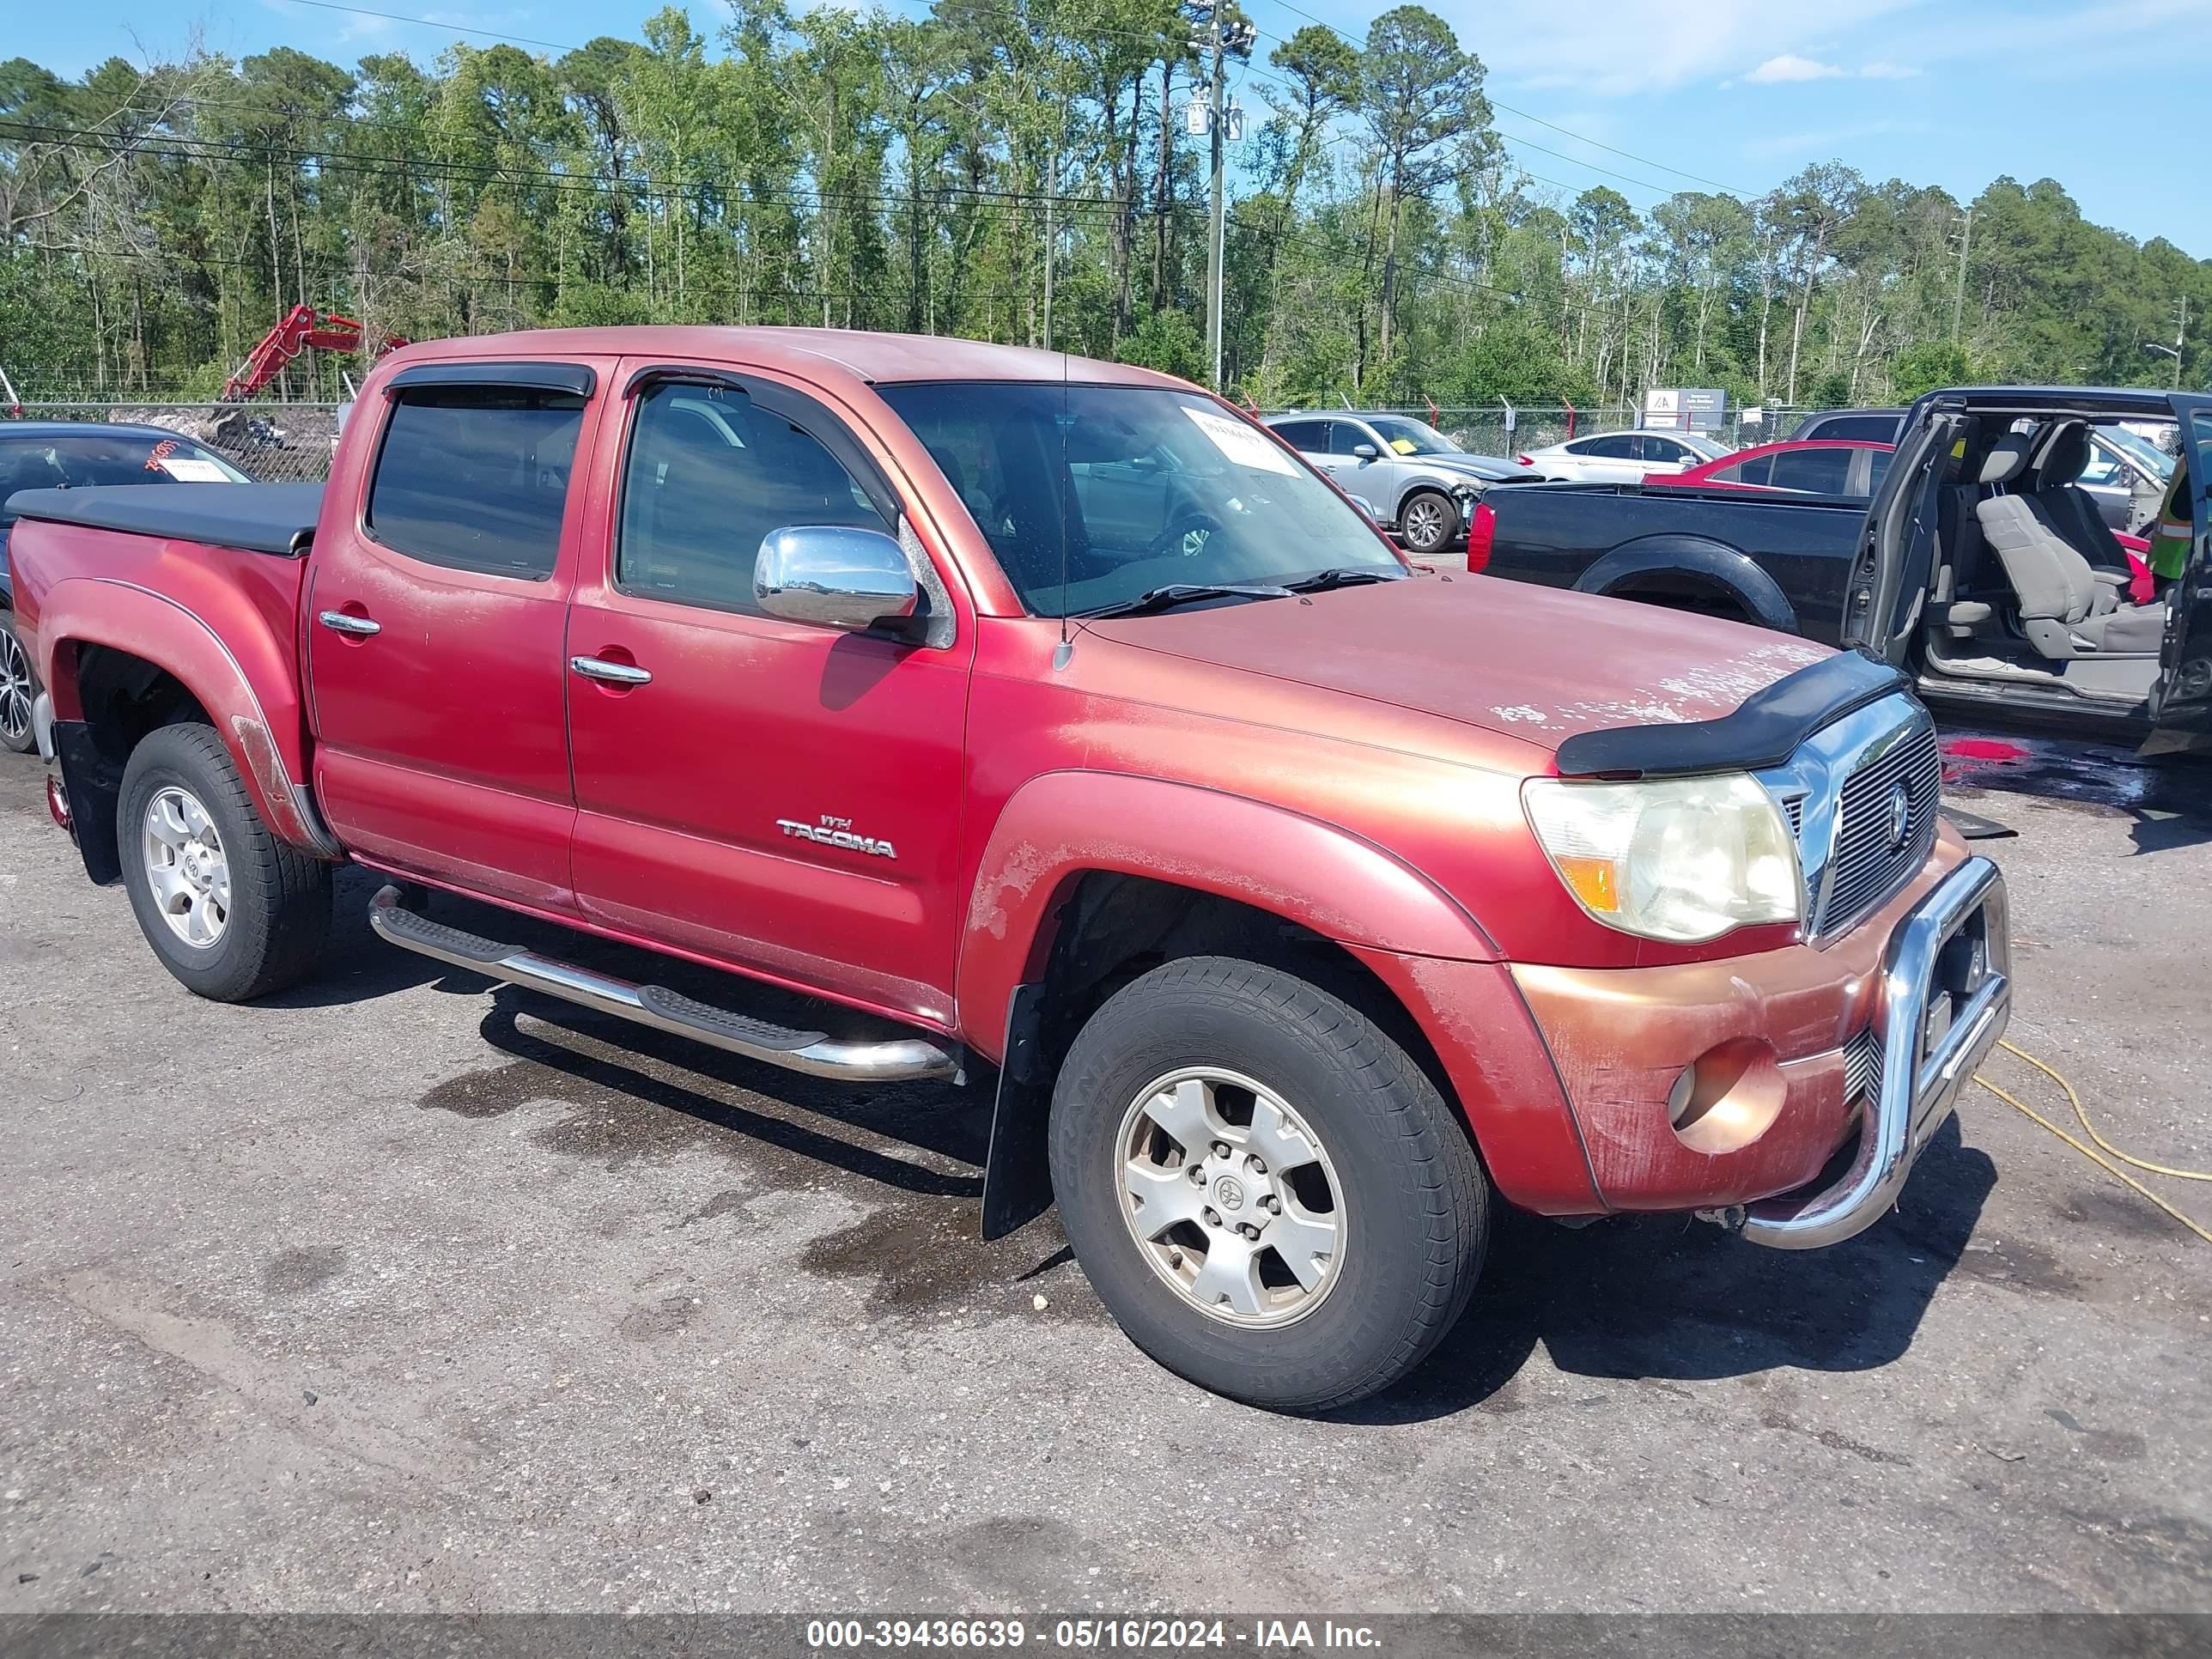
(1017, 1169)
(93, 778)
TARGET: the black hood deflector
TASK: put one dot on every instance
(1763, 732)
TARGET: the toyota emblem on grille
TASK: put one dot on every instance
(1900, 814)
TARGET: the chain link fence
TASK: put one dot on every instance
(276, 443)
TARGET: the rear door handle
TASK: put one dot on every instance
(340, 622)
(609, 673)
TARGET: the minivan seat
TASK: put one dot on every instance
(2064, 610)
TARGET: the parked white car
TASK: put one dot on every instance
(1623, 456)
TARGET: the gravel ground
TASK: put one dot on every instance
(401, 1293)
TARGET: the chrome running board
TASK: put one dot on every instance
(815, 1053)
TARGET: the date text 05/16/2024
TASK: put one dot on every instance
(831, 1636)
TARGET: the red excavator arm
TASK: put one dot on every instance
(301, 330)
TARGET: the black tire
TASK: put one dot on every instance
(1427, 521)
(1416, 1197)
(15, 734)
(279, 917)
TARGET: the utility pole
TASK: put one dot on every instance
(1958, 292)
(1217, 223)
(1224, 123)
(2180, 342)
(1051, 249)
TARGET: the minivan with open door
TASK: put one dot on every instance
(1987, 571)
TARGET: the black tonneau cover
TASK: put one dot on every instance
(261, 518)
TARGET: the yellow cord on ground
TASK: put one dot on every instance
(2091, 1153)
(2082, 1112)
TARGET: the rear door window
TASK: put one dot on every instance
(1307, 437)
(1613, 446)
(1759, 469)
(476, 477)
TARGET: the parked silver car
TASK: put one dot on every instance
(1411, 479)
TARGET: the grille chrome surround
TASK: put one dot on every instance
(1861, 797)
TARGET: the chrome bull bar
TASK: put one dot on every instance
(1946, 997)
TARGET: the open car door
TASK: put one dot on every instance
(1886, 600)
(2181, 704)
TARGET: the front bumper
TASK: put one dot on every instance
(1944, 1000)
(1812, 1033)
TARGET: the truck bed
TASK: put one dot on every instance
(260, 518)
(1612, 538)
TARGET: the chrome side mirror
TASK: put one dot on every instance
(833, 576)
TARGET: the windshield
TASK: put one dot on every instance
(1711, 448)
(1411, 437)
(43, 461)
(1154, 489)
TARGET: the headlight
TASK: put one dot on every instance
(1683, 860)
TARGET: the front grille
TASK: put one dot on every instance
(1862, 1067)
(1870, 860)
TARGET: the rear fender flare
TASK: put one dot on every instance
(96, 610)
(1725, 567)
(1061, 826)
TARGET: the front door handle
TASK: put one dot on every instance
(340, 622)
(609, 673)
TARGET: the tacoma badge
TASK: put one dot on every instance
(836, 832)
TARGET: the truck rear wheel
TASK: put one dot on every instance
(232, 911)
(1266, 1192)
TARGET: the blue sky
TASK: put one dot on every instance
(1741, 92)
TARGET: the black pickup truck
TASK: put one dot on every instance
(1782, 560)
(1981, 565)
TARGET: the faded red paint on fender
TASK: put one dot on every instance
(1061, 825)
(223, 622)
(1489, 1047)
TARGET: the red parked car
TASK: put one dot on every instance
(1055, 728)
(1817, 467)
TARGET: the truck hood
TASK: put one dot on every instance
(1537, 664)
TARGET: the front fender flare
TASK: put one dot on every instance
(1061, 826)
(1731, 570)
(1424, 947)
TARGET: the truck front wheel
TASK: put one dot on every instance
(1265, 1190)
(232, 911)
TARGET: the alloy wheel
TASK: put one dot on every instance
(187, 868)
(1230, 1197)
(14, 689)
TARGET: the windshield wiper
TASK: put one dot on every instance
(1347, 577)
(1175, 593)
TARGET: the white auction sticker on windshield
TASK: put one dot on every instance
(191, 469)
(1239, 442)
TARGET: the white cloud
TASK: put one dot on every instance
(1790, 67)
(1616, 48)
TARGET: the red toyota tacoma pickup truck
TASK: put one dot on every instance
(1299, 904)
